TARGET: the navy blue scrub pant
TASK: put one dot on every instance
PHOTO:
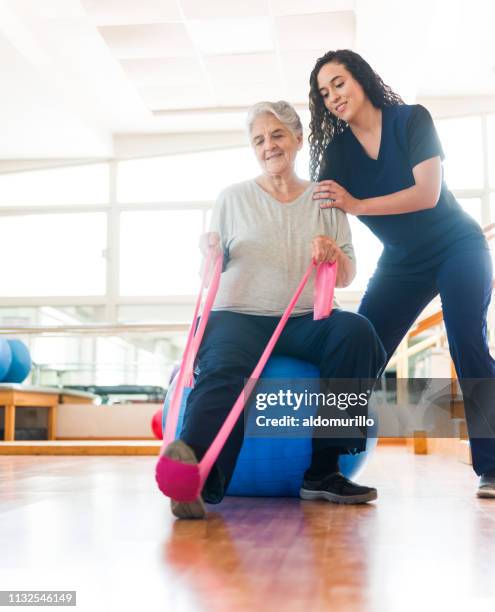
(344, 345)
(464, 281)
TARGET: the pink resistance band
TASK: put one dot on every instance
(182, 481)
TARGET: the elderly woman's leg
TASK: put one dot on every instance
(231, 348)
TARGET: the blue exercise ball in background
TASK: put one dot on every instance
(21, 362)
(274, 467)
(5, 358)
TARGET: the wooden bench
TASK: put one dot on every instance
(14, 396)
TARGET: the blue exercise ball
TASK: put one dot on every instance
(21, 362)
(5, 358)
(274, 467)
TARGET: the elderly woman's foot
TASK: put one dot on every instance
(338, 489)
(180, 451)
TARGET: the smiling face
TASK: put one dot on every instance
(342, 95)
(274, 144)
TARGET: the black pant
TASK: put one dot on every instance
(464, 281)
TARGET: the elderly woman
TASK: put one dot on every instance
(268, 229)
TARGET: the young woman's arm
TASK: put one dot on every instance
(421, 196)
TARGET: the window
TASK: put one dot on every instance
(186, 177)
(49, 315)
(368, 249)
(491, 150)
(462, 144)
(70, 185)
(302, 162)
(473, 207)
(207, 221)
(158, 313)
(53, 254)
(56, 353)
(113, 356)
(159, 252)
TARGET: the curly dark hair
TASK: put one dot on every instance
(324, 126)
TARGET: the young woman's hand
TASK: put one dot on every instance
(208, 240)
(332, 195)
(324, 249)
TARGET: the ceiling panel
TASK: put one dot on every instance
(165, 98)
(242, 68)
(297, 66)
(201, 9)
(49, 9)
(129, 12)
(156, 72)
(303, 7)
(250, 93)
(152, 40)
(222, 36)
(322, 31)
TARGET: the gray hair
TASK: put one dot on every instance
(282, 110)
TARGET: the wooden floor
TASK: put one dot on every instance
(99, 526)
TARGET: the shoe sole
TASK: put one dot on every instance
(338, 499)
(486, 493)
(178, 451)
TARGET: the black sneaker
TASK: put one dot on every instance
(338, 489)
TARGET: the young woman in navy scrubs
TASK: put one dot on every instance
(380, 159)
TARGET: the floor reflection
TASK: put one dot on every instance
(256, 553)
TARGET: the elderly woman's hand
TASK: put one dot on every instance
(332, 195)
(210, 240)
(324, 249)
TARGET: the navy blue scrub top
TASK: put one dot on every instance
(416, 241)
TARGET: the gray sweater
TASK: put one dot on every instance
(267, 248)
